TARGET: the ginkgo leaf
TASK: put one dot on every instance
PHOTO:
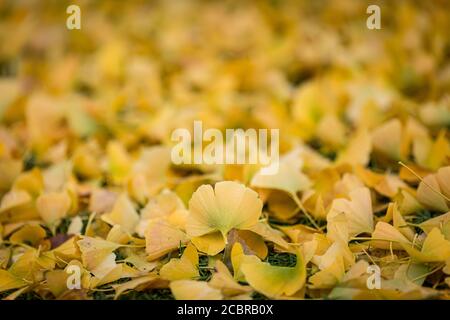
(9, 281)
(332, 268)
(298, 233)
(57, 281)
(387, 236)
(407, 202)
(85, 160)
(358, 270)
(211, 209)
(337, 228)
(162, 205)
(211, 243)
(358, 149)
(349, 182)
(119, 162)
(223, 280)
(108, 271)
(68, 251)
(187, 186)
(148, 175)
(281, 205)
(97, 253)
(387, 139)
(32, 264)
(431, 154)
(275, 281)
(289, 177)
(185, 267)
(269, 234)
(13, 199)
(237, 258)
(194, 290)
(386, 184)
(316, 247)
(150, 280)
(139, 261)
(254, 242)
(166, 205)
(118, 235)
(30, 234)
(123, 214)
(435, 248)
(53, 206)
(161, 238)
(331, 130)
(9, 170)
(17, 205)
(357, 210)
(413, 272)
(335, 249)
(400, 223)
(30, 181)
(428, 194)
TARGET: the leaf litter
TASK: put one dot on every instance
(87, 183)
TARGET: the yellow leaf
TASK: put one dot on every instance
(194, 290)
(32, 234)
(30, 181)
(123, 214)
(119, 162)
(68, 251)
(357, 151)
(439, 151)
(9, 281)
(9, 170)
(161, 238)
(32, 264)
(144, 281)
(57, 281)
(223, 280)
(269, 234)
(298, 233)
(332, 268)
(182, 268)
(53, 206)
(211, 209)
(108, 271)
(13, 199)
(407, 202)
(434, 249)
(357, 210)
(211, 243)
(289, 177)
(400, 223)
(96, 254)
(387, 139)
(254, 242)
(429, 195)
(274, 281)
(386, 236)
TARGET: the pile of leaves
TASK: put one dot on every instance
(88, 190)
